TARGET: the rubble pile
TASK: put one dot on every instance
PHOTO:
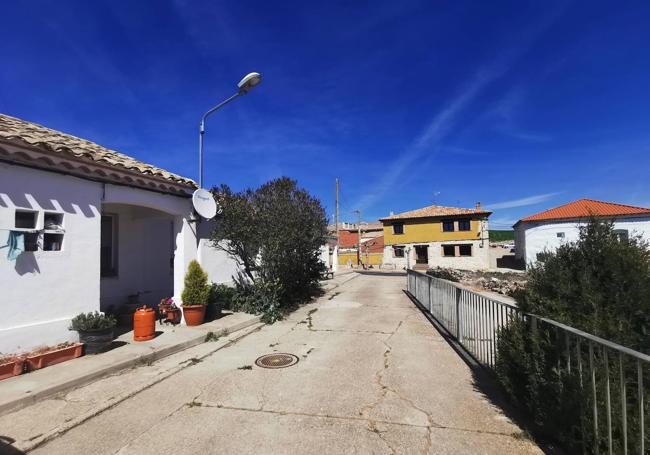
(505, 283)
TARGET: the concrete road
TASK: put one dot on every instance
(373, 377)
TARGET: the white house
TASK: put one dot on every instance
(545, 231)
(95, 227)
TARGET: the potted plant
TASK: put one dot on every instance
(95, 330)
(11, 365)
(41, 358)
(195, 294)
(168, 311)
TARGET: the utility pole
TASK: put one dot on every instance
(336, 217)
(358, 237)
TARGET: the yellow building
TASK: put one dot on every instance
(437, 236)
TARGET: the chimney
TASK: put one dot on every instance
(478, 206)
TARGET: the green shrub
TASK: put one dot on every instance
(275, 233)
(259, 298)
(87, 322)
(196, 290)
(221, 294)
(600, 285)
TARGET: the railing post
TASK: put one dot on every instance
(458, 332)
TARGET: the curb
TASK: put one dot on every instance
(37, 442)
(15, 404)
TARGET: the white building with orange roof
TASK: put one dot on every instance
(547, 230)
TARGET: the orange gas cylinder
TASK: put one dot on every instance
(144, 324)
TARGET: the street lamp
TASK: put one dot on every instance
(244, 86)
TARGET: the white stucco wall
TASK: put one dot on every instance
(221, 268)
(42, 290)
(540, 236)
(480, 258)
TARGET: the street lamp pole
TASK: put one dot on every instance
(248, 82)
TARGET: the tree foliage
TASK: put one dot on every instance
(599, 284)
(275, 233)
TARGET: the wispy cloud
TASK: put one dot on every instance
(506, 114)
(523, 202)
(430, 140)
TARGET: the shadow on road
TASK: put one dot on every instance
(377, 273)
(6, 447)
(486, 383)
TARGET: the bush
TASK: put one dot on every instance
(274, 233)
(600, 285)
(260, 298)
(221, 294)
(88, 322)
(196, 290)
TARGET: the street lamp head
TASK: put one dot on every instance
(249, 81)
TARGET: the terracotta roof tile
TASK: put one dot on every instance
(584, 208)
(31, 134)
(435, 211)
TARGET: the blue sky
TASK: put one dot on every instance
(520, 105)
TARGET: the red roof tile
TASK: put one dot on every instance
(584, 208)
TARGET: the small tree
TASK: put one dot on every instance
(196, 290)
(275, 233)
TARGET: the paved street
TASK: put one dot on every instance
(373, 377)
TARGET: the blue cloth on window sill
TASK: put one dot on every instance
(16, 244)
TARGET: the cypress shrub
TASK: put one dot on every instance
(196, 290)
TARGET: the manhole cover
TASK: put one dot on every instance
(276, 360)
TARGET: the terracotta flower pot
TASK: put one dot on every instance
(39, 361)
(194, 314)
(174, 316)
(13, 368)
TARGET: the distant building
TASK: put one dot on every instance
(372, 244)
(546, 231)
(437, 236)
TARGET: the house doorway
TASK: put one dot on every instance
(421, 254)
(137, 250)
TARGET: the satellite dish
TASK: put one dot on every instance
(204, 203)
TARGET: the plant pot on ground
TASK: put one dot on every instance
(195, 294)
(11, 366)
(95, 330)
(54, 355)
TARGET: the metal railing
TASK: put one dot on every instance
(600, 366)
